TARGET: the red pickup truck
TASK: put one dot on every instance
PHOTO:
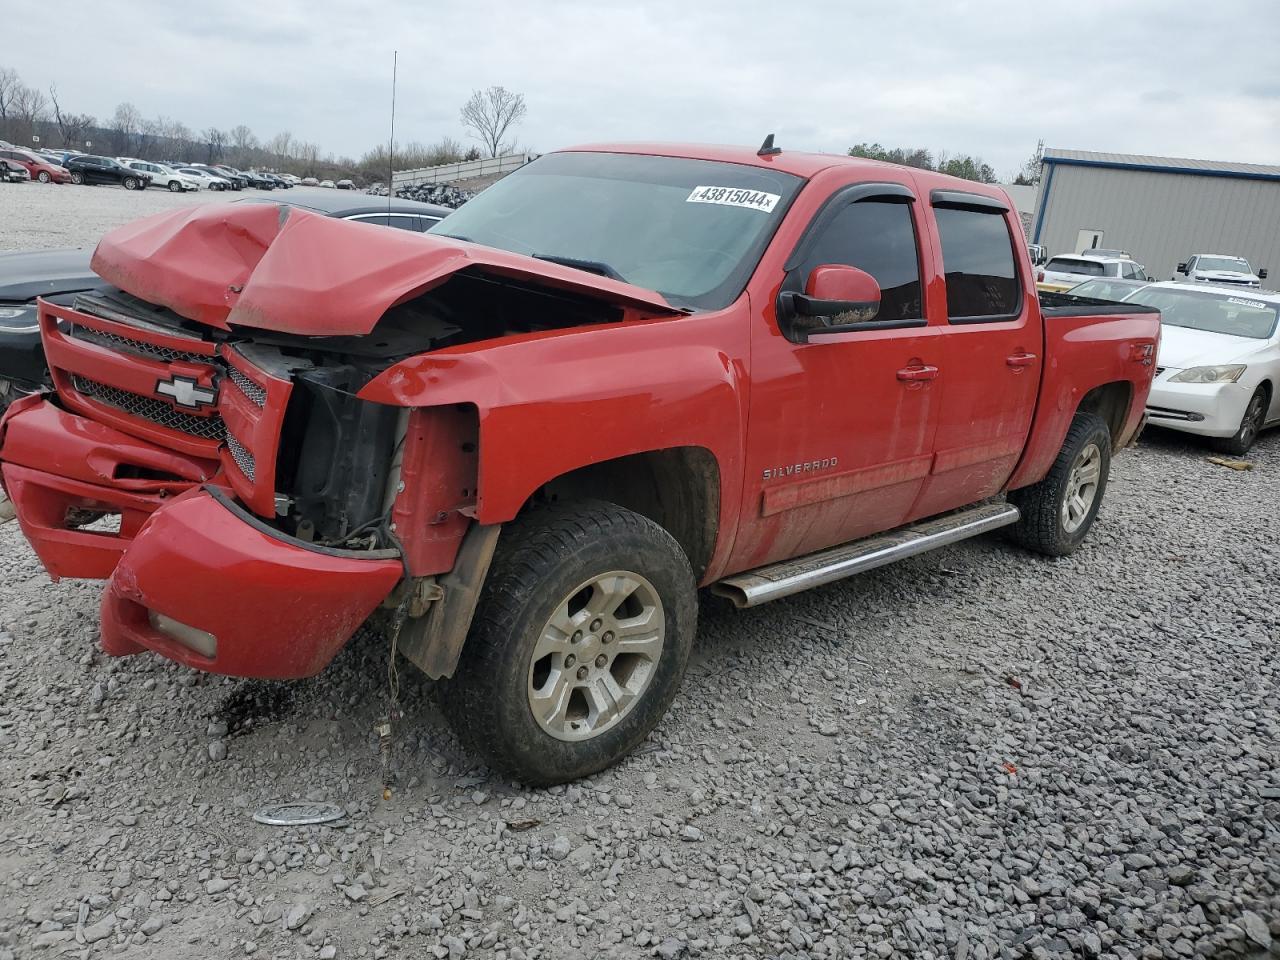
(522, 441)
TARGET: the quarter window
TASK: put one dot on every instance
(879, 237)
(977, 258)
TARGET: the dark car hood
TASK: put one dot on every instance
(43, 273)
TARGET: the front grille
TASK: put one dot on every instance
(149, 408)
(152, 350)
(255, 393)
(243, 458)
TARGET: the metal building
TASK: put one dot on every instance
(1160, 209)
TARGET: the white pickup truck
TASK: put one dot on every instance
(1219, 268)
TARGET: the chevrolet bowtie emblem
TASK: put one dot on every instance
(185, 392)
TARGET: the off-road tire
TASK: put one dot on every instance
(1255, 415)
(541, 557)
(43, 176)
(1041, 527)
(77, 178)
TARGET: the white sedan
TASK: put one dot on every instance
(205, 178)
(1218, 369)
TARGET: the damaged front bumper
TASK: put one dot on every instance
(192, 575)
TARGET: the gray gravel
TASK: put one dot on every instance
(975, 754)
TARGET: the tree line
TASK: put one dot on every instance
(28, 113)
(957, 165)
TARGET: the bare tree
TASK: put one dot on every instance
(214, 140)
(71, 126)
(243, 139)
(279, 145)
(9, 83)
(124, 128)
(29, 107)
(490, 113)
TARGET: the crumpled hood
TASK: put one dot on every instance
(282, 268)
(44, 273)
(1182, 347)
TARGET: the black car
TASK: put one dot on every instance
(64, 273)
(260, 180)
(90, 169)
(238, 180)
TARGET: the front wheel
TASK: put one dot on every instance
(43, 176)
(1255, 415)
(175, 186)
(130, 183)
(579, 642)
(1058, 511)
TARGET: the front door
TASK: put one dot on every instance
(840, 435)
(993, 352)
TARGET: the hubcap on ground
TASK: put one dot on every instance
(595, 656)
(1082, 487)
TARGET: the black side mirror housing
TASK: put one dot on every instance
(837, 297)
(1182, 268)
(1262, 274)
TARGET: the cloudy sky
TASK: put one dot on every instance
(1164, 77)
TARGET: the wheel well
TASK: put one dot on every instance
(677, 488)
(1111, 402)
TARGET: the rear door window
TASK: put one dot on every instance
(977, 259)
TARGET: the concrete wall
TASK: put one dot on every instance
(1161, 218)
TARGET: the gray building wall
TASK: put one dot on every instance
(1161, 218)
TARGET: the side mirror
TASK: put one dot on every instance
(1182, 268)
(1262, 274)
(836, 297)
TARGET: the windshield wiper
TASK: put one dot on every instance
(590, 266)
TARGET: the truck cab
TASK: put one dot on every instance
(520, 442)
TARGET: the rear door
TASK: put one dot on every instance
(992, 353)
(840, 432)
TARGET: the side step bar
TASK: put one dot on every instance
(763, 584)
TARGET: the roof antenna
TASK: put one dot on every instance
(767, 149)
(391, 147)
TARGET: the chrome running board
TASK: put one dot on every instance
(763, 584)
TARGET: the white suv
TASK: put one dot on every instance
(1064, 272)
(1219, 268)
(164, 176)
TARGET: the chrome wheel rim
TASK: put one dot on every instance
(596, 655)
(1082, 487)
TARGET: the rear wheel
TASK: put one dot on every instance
(1058, 511)
(77, 177)
(579, 643)
(1255, 414)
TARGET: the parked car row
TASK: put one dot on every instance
(70, 166)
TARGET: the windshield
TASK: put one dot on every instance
(1088, 268)
(691, 229)
(1214, 312)
(1233, 264)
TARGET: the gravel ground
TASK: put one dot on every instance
(977, 753)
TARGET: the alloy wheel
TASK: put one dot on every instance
(1082, 487)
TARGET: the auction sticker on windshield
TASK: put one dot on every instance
(735, 197)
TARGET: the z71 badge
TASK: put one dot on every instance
(793, 469)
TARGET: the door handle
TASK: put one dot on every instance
(916, 373)
(1021, 360)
